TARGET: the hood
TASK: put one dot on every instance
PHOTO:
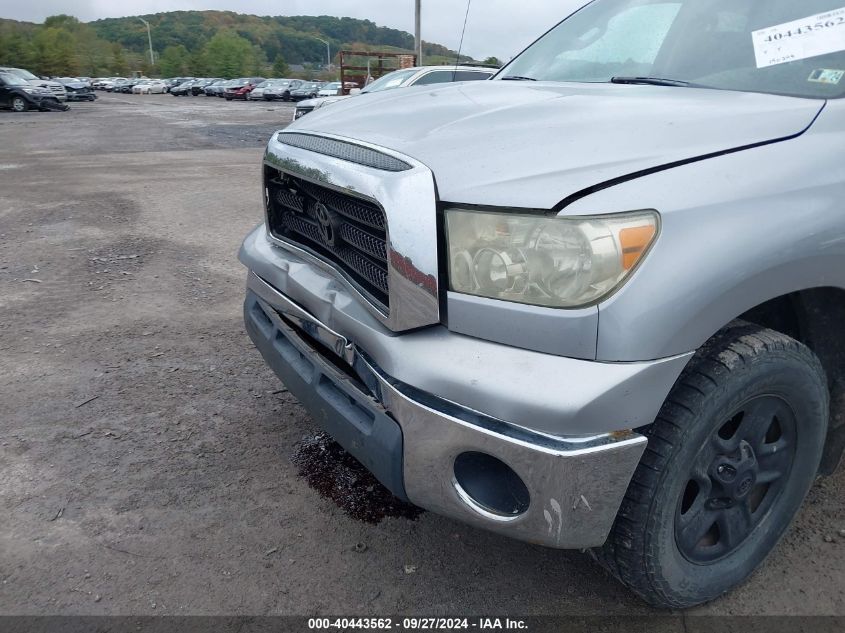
(45, 83)
(532, 145)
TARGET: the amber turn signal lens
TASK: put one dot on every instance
(635, 241)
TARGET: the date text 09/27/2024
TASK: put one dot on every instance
(417, 624)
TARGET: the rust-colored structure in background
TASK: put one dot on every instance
(358, 66)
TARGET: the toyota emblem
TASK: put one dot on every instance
(326, 223)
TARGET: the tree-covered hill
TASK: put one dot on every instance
(212, 43)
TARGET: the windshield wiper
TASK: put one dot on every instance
(651, 81)
(517, 78)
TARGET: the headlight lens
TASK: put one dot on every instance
(545, 261)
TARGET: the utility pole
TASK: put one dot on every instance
(150, 40)
(328, 52)
(418, 34)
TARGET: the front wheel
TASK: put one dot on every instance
(729, 462)
(19, 104)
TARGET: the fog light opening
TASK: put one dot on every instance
(490, 487)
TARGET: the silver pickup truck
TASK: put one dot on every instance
(597, 302)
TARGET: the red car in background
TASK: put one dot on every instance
(241, 88)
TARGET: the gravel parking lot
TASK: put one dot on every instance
(147, 453)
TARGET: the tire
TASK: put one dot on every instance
(738, 443)
(19, 104)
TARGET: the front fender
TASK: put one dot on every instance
(738, 230)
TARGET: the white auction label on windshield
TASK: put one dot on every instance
(813, 36)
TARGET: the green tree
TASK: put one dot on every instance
(61, 21)
(118, 61)
(492, 61)
(93, 55)
(227, 54)
(16, 47)
(55, 52)
(175, 61)
(280, 67)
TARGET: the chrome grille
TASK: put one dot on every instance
(341, 149)
(342, 229)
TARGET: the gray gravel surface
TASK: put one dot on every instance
(145, 449)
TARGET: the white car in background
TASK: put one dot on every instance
(330, 90)
(54, 87)
(142, 87)
(257, 93)
(420, 76)
(158, 87)
(109, 83)
(149, 86)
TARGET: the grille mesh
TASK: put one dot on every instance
(357, 245)
(344, 151)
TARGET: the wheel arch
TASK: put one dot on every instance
(815, 317)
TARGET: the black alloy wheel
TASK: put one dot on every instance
(736, 479)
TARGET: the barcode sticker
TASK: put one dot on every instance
(810, 37)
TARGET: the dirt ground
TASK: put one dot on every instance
(146, 452)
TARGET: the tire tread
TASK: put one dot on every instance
(625, 554)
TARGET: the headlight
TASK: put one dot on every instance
(31, 91)
(545, 261)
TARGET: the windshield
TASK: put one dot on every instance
(391, 81)
(777, 46)
(332, 86)
(20, 72)
(13, 80)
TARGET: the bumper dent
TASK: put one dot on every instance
(575, 486)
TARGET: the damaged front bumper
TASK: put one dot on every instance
(553, 491)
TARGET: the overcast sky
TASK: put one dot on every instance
(496, 27)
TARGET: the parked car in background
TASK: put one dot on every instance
(127, 86)
(183, 89)
(149, 86)
(103, 82)
(77, 89)
(307, 90)
(242, 87)
(158, 87)
(257, 93)
(282, 89)
(177, 81)
(420, 76)
(212, 89)
(140, 87)
(199, 86)
(117, 85)
(220, 91)
(330, 90)
(19, 95)
(55, 87)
